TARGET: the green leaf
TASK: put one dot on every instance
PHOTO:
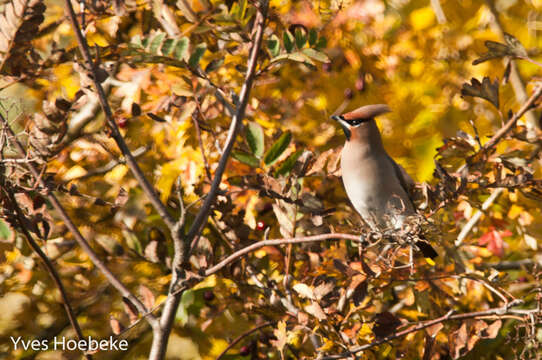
(132, 241)
(5, 232)
(155, 43)
(297, 56)
(214, 64)
(255, 138)
(322, 42)
(167, 47)
(181, 49)
(247, 159)
(300, 38)
(316, 55)
(288, 164)
(288, 40)
(273, 45)
(313, 37)
(197, 55)
(278, 148)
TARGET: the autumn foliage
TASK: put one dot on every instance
(169, 175)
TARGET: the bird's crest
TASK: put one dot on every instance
(366, 112)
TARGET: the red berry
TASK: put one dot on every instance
(260, 226)
(208, 295)
(245, 350)
(326, 67)
(348, 93)
(122, 123)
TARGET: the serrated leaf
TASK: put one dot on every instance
(288, 40)
(197, 54)
(316, 55)
(288, 164)
(300, 38)
(273, 45)
(255, 138)
(277, 148)
(247, 159)
(496, 50)
(180, 50)
(485, 90)
(313, 37)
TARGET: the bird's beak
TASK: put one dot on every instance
(344, 125)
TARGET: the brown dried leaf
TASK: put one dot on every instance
(485, 90)
(116, 325)
(147, 295)
(19, 23)
(458, 340)
(315, 310)
(433, 330)
(492, 330)
(385, 324)
(496, 50)
(130, 309)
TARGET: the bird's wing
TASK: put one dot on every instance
(406, 181)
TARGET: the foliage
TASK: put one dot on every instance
(173, 74)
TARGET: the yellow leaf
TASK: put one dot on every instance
(209, 281)
(74, 172)
(514, 211)
(115, 175)
(422, 18)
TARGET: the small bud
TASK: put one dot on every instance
(260, 226)
(326, 67)
(245, 350)
(348, 93)
(122, 123)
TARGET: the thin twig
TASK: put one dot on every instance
(242, 336)
(115, 133)
(117, 284)
(474, 219)
(500, 311)
(274, 242)
(50, 269)
(537, 93)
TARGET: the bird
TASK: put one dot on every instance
(378, 188)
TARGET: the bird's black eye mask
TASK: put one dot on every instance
(350, 123)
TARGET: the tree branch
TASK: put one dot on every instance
(115, 133)
(274, 242)
(500, 311)
(235, 125)
(537, 93)
(184, 244)
(50, 269)
(242, 336)
(117, 284)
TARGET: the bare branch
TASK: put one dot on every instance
(537, 93)
(274, 242)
